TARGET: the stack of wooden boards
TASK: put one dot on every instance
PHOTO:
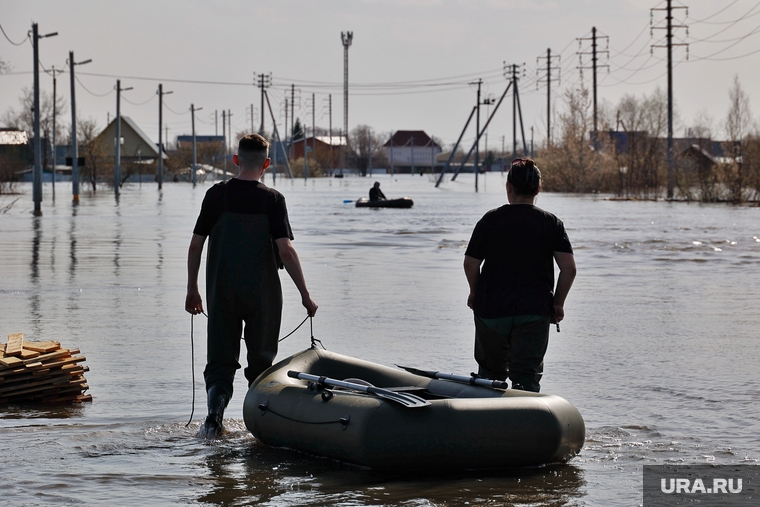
(41, 372)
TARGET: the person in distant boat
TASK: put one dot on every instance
(513, 296)
(249, 239)
(375, 194)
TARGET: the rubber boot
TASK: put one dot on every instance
(218, 399)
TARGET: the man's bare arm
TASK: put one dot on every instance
(193, 300)
(567, 270)
(292, 263)
(472, 272)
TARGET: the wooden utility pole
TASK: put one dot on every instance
(595, 51)
(161, 94)
(669, 45)
(37, 172)
(117, 162)
(74, 142)
(548, 80)
(224, 140)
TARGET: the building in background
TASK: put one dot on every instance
(411, 151)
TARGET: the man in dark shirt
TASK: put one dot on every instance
(250, 236)
(513, 297)
(375, 194)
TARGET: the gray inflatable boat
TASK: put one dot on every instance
(367, 414)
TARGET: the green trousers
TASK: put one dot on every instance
(242, 287)
(512, 347)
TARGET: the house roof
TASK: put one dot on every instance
(11, 136)
(411, 138)
(128, 123)
(140, 133)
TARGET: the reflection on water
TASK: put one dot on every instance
(658, 350)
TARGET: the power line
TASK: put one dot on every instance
(9, 39)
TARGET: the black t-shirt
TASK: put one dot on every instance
(517, 244)
(247, 197)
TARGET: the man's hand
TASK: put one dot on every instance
(310, 305)
(193, 302)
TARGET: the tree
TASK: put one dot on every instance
(297, 130)
(737, 125)
(23, 118)
(574, 164)
(96, 154)
(364, 145)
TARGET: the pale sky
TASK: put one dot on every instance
(409, 64)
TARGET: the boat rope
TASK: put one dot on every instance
(264, 407)
(314, 341)
(296, 329)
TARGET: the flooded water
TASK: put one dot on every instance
(659, 349)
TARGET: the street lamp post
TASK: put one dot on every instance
(74, 142)
(161, 94)
(346, 38)
(117, 164)
(37, 172)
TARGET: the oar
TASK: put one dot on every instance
(406, 399)
(346, 201)
(474, 380)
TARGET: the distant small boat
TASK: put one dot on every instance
(403, 202)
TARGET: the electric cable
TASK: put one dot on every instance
(9, 39)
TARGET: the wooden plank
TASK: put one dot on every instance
(43, 347)
(68, 360)
(21, 369)
(32, 376)
(11, 362)
(28, 354)
(54, 355)
(15, 344)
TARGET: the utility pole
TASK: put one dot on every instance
(224, 140)
(548, 79)
(37, 174)
(477, 133)
(74, 142)
(346, 38)
(229, 130)
(331, 142)
(411, 142)
(313, 127)
(594, 66)
(265, 81)
(117, 163)
(669, 27)
(392, 161)
(216, 122)
(54, 114)
(253, 129)
(161, 94)
(511, 73)
(195, 159)
(477, 130)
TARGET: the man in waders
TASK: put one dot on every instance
(513, 296)
(249, 240)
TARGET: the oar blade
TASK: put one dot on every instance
(406, 399)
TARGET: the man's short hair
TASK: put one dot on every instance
(253, 149)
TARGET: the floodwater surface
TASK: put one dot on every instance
(658, 350)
